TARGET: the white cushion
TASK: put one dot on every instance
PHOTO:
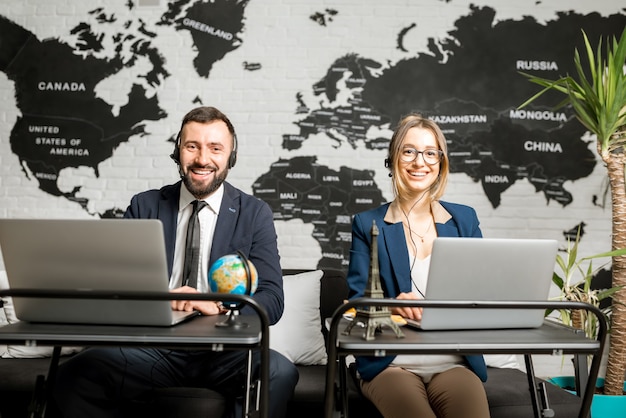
(7, 316)
(298, 334)
(502, 361)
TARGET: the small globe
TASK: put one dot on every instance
(228, 275)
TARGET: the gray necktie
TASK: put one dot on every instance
(192, 246)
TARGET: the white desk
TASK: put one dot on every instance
(550, 338)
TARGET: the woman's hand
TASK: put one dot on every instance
(406, 311)
(206, 307)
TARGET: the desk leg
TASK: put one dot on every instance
(43, 387)
(331, 369)
(532, 385)
(343, 386)
(247, 397)
(541, 407)
(581, 373)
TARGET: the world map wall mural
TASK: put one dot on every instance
(468, 81)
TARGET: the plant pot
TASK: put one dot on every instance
(602, 406)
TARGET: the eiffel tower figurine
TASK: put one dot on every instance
(374, 317)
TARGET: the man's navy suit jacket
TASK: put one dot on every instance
(244, 223)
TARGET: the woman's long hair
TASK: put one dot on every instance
(414, 120)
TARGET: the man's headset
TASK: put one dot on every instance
(232, 158)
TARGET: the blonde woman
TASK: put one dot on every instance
(415, 385)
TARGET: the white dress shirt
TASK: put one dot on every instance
(208, 220)
(425, 366)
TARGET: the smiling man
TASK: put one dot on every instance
(95, 382)
(203, 148)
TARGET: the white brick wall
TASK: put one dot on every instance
(295, 53)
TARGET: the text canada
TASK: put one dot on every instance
(61, 86)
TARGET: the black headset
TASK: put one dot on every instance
(232, 158)
(388, 165)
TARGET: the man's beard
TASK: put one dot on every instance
(200, 190)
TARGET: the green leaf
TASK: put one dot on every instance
(558, 281)
(607, 293)
(614, 253)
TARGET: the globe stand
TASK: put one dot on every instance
(232, 320)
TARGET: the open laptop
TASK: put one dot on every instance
(98, 254)
(488, 269)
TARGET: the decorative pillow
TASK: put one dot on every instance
(7, 316)
(502, 361)
(298, 334)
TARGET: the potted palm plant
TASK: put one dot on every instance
(598, 96)
(575, 284)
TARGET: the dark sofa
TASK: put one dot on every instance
(507, 389)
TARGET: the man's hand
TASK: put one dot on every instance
(408, 312)
(206, 307)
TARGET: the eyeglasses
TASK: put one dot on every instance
(430, 155)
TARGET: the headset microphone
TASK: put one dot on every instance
(387, 165)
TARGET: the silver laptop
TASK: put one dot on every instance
(98, 254)
(488, 269)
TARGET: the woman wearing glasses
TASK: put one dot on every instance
(415, 385)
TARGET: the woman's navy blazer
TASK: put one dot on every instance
(395, 271)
